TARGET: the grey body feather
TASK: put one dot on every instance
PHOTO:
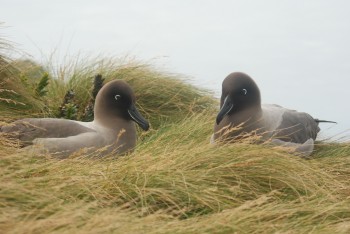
(241, 112)
(113, 128)
(289, 125)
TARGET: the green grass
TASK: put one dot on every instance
(175, 181)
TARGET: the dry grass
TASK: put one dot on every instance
(175, 181)
(155, 99)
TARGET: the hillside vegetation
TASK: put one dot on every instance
(175, 181)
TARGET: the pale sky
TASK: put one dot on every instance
(297, 51)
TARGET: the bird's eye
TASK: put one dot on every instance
(244, 91)
(117, 97)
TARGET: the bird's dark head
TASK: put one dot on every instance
(117, 99)
(239, 93)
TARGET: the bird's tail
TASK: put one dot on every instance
(324, 121)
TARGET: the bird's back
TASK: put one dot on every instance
(289, 125)
(27, 130)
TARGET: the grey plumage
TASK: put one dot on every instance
(113, 127)
(241, 106)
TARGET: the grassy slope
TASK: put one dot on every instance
(175, 181)
(15, 97)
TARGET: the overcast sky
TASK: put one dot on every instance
(297, 51)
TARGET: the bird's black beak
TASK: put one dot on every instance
(138, 118)
(225, 109)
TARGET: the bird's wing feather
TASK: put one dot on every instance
(297, 127)
(27, 130)
(290, 125)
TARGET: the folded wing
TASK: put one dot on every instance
(27, 130)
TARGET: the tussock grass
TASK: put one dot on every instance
(175, 181)
(155, 99)
(15, 97)
(161, 97)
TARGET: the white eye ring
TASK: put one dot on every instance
(117, 96)
(244, 91)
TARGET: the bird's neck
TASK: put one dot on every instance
(247, 120)
(247, 115)
(114, 122)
